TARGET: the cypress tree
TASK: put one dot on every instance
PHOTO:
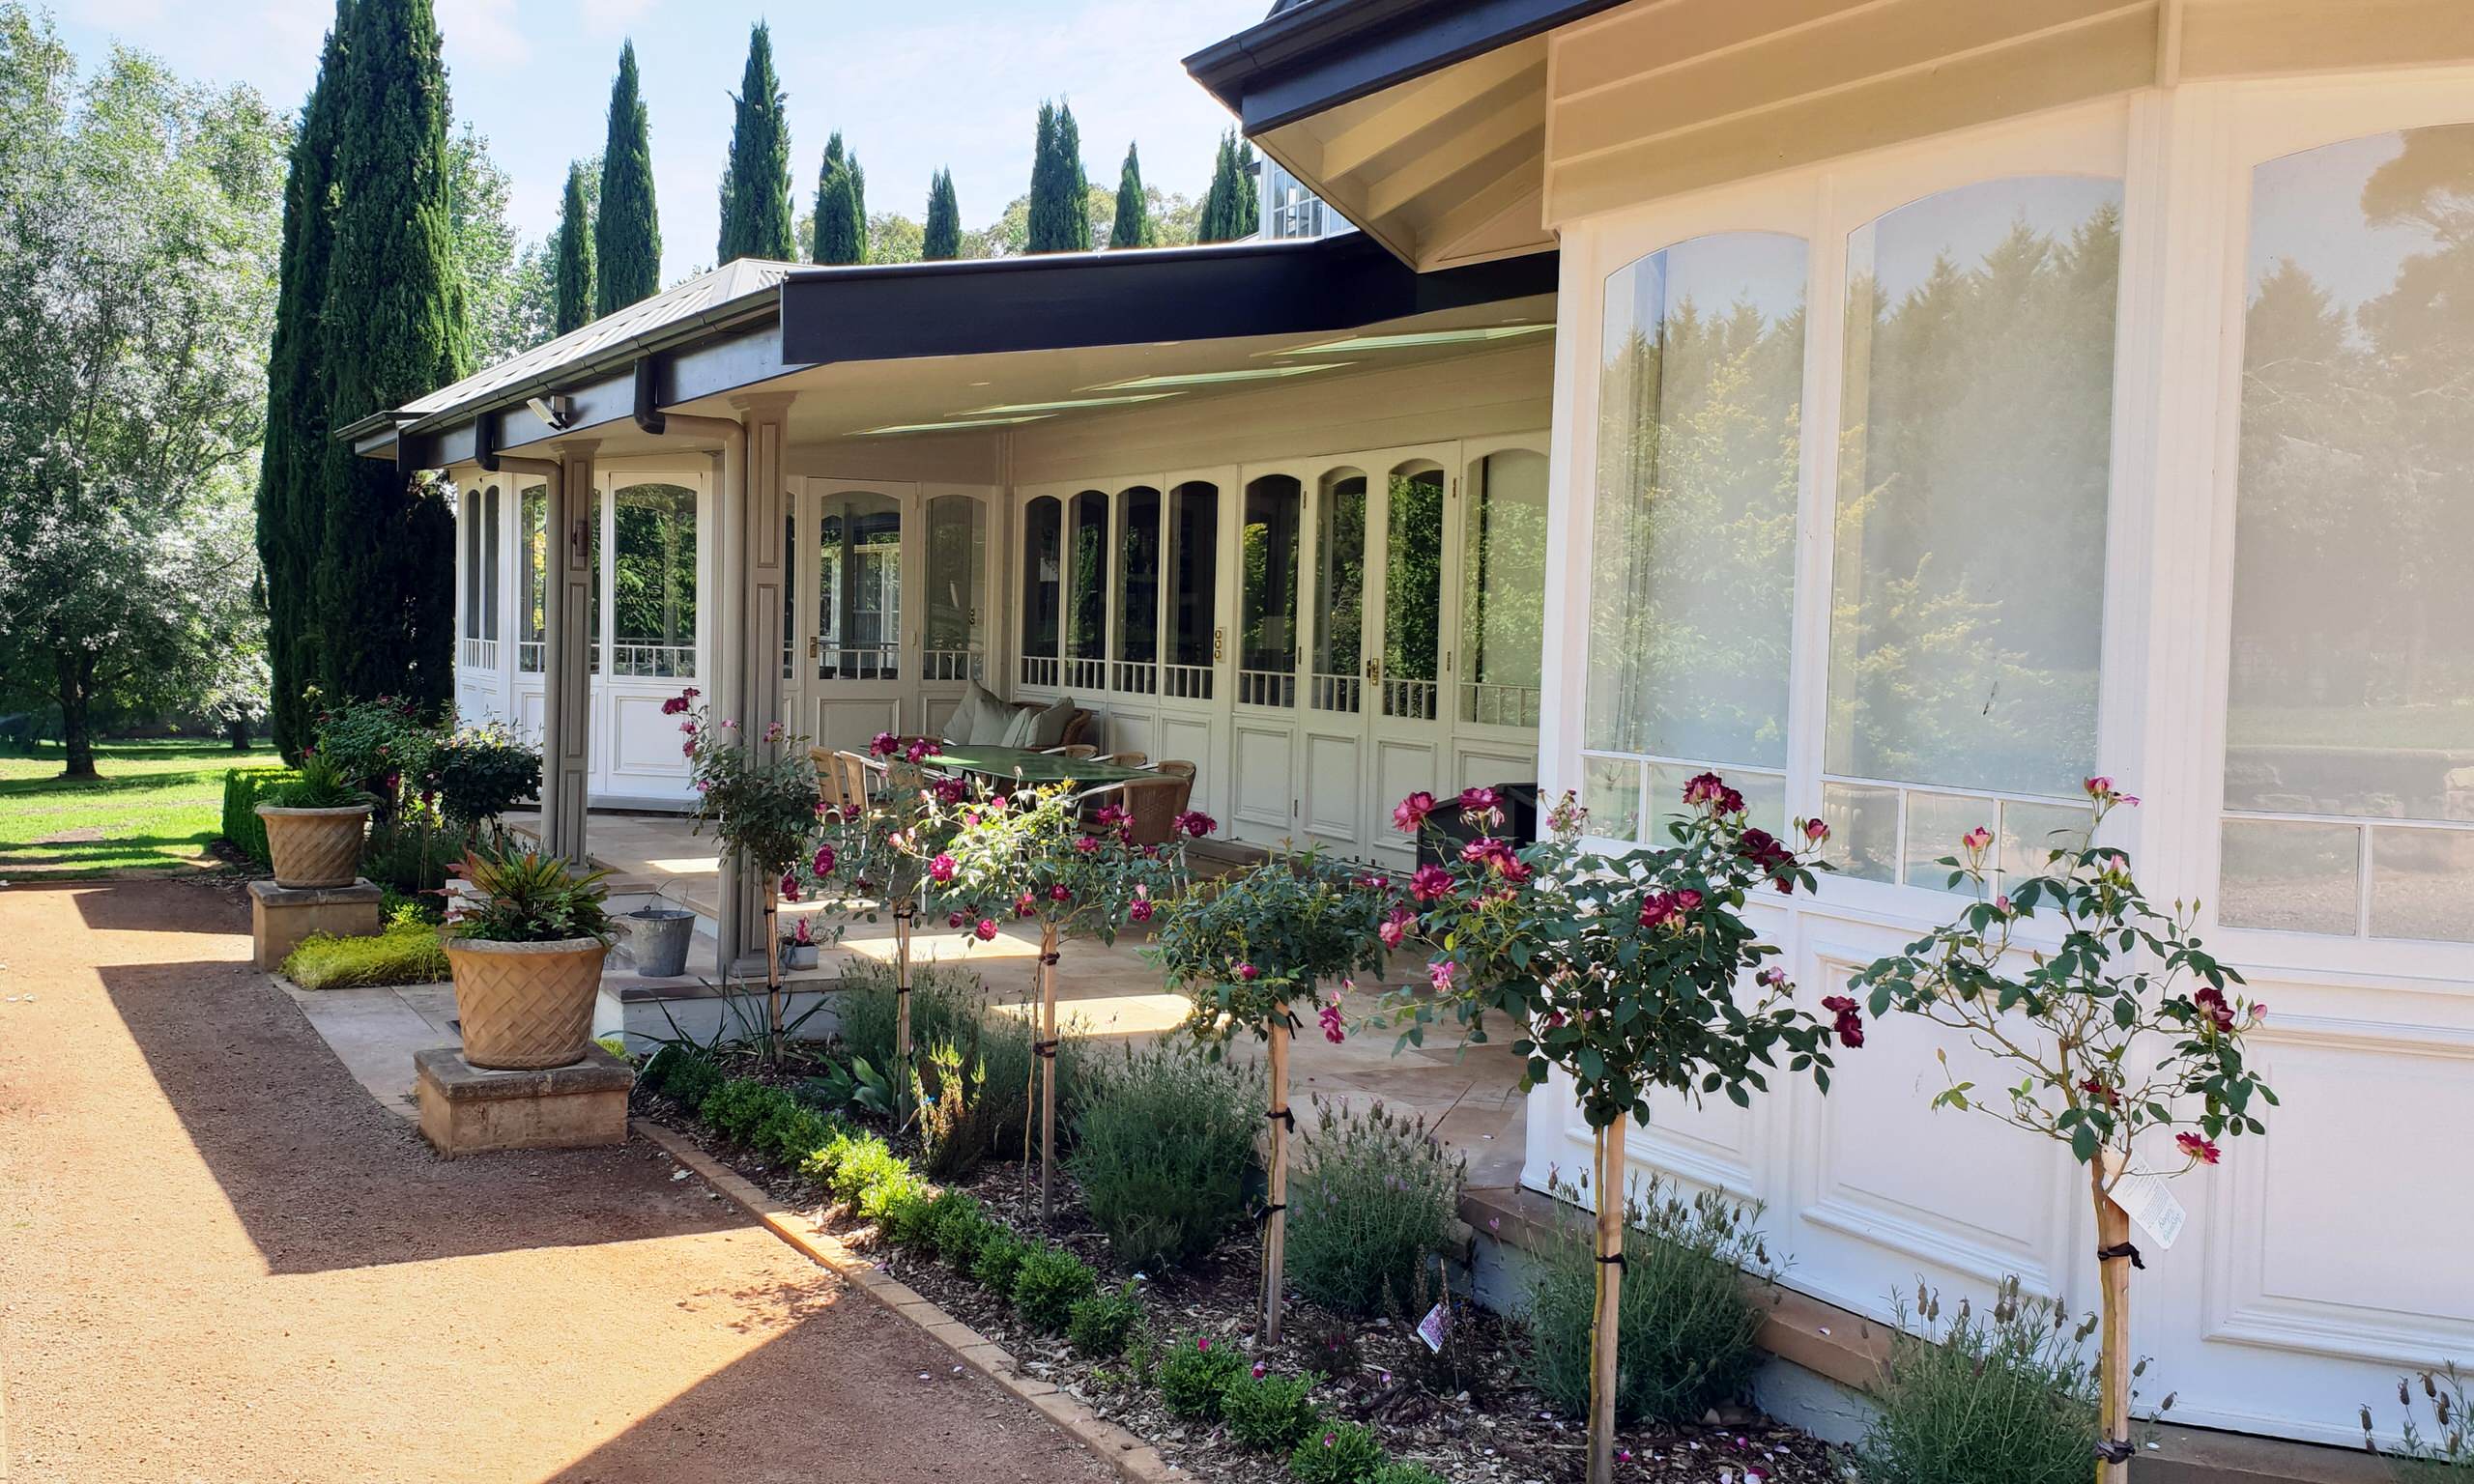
(1231, 207)
(1245, 217)
(393, 330)
(291, 512)
(841, 231)
(626, 228)
(1043, 198)
(859, 201)
(942, 233)
(756, 181)
(574, 261)
(1060, 217)
(1132, 225)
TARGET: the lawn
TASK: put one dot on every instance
(154, 810)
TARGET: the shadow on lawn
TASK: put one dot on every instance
(321, 1176)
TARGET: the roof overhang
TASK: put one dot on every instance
(1422, 121)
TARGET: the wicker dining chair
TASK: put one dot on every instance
(1077, 753)
(1155, 804)
(828, 779)
(1176, 767)
(1126, 759)
(860, 778)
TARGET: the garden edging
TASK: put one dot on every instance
(1136, 1460)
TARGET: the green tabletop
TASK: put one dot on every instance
(1032, 767)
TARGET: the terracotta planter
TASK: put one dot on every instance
(525, 1006)
(315, 847)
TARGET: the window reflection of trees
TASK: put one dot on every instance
(1413, 576)
(1267, 550)
(1503, 621)
(1043, 551)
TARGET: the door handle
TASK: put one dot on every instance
(1373, 671)
(1218, 644)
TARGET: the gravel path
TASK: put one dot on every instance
(220, 1261)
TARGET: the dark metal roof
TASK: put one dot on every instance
(1311, 55)
(1064, 301)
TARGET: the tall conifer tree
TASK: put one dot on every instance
(1132, 227)
(573, 266)
(291, 504)
(627, 227)
(756, 181)
(1231, 207)
(1060, 210)
(942, 235)
(395, 329)
(840, 230)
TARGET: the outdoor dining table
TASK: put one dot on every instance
(1026, 765)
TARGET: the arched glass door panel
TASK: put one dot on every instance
(860, 587)
(1086, 633)
(1194, 589)
(1267, 591)
(1137, 666)
(1042, 588)
(1503, 615)
(1413, 593)
(532, 535)
(652, 581)
(1334, 682)
(953, 638)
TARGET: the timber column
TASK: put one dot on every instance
(567, 709)
(747, 653)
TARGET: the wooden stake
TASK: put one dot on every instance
(902, 1007)
(2113, 1235)
(1605, 1328)
(773, 965)
(1048, 1075)
(1276, 1183)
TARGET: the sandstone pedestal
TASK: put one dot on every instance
(282, 916)
(465, 1109)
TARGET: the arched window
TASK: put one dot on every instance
(955, 635)
(1042, 588)
(1267, 591)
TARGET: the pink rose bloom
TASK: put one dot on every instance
(2203, 1151)
(1430, 882)
(1058, 892)
(1478, 801)
(955, 918)
(1977, 839)
(1139, 910)
(1329, 1016)
(1440, 973)
(916, 751)
(1087, 845)
(1025, 906)
(1816, 831)
(824, 859)
(789, 887)
(1248, 973)
(1411, 812)
(884, 744)
(986, 929)
(941, 869)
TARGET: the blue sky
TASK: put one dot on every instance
(912, 86)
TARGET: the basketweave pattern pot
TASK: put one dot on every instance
(314, 847)
(525, 1006)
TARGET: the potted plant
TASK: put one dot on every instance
(525, 943)
(2124, 1032)
(799, 946)
(314, 827)
(1629, 973)
(1249, 948)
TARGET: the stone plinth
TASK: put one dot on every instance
(282, 916)
(466, 1110)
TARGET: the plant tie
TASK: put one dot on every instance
(1267, 1213)
(1051, 958)
(1045, 1048)
(1284, 1116)
(2122, 1249)
(1615, 1259)
(2115, 1450)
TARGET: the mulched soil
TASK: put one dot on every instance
(1466, 1414)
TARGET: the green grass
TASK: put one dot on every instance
(157, 807)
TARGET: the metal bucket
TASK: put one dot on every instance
(658, 939)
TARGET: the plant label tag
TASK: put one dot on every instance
(1434, 1327)
(2140, 1194)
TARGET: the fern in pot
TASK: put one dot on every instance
(315, 825)
(525, 943)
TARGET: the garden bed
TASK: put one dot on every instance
(1465, 1414)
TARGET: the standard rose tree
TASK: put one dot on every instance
(2120, 1027)
(1041, 854)
(1248, 949)
(1629, 973)
(759, 797)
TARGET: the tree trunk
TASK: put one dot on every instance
(1048, 1075)
(2113, 1235)
(238, 729)
(1276, 1183)
(902, 914)
(773, 965)
(1604, 1329)
(76, 673)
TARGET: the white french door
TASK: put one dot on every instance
(849, 659)
(650, 637)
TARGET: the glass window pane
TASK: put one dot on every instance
(490, 562)
(1611, 792)
(535, 576)
(1934, 822)
(2030, 834)
(1043, 573)
(957, 584)
(860, 587)
(1503, 616)
(467, 512)
(1267, 593)
(2289, 877)
(1976, 440)
(1340, 575)
(1138, 579)
(2352, 680)
(1863, 829)
(1764, 797)
(1194, 589)
(653, 580)
(1413, 576)
(593, 562)
(2422, 884)
(1693, 581)
(791, 638)
(1086, 635)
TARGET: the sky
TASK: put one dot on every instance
(912, 86)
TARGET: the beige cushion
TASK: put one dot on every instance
(979, 718)
(1049, 729)
(1020, 727)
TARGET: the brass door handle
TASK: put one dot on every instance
(1373, 671)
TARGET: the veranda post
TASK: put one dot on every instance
(1627, 972)
(1248, 949)
(760, 798)
(1049, 855)
(2121, 1028)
